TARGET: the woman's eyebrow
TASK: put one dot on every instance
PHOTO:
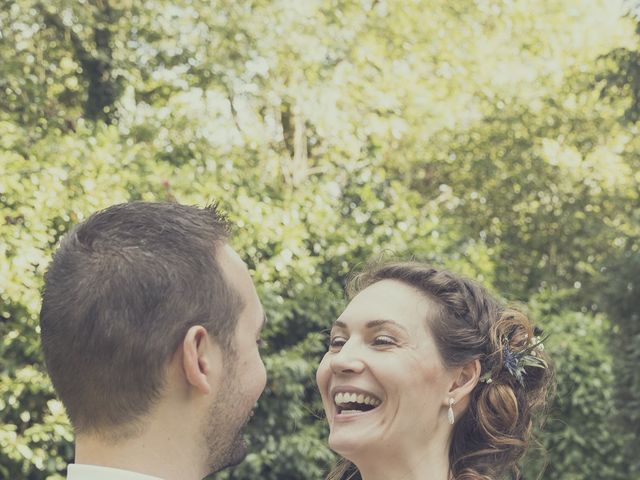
(339, 324)
(372, 324)
(384, 323)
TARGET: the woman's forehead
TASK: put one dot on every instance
(387, 302)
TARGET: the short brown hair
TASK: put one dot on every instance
(493, 434)
(121, 292)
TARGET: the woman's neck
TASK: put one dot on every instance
(425, 465)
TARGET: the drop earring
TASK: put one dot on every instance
(450, 411)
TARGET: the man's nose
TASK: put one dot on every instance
(348, 359)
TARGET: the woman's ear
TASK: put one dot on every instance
(465, 381)
(201, 360)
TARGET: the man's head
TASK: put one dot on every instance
(140, 287)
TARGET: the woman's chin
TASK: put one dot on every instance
(348, 445)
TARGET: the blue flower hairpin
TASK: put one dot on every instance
(516, 362)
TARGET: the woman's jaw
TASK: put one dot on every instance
(380, 447)
(380, 432)
(356, 418)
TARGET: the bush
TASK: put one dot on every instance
(579, 440)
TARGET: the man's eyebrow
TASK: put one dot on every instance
(371, 324)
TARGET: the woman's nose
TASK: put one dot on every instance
(347, 360)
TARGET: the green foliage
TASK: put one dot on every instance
(623, 305)
(333, 132)
(579, 440)
(619, 288)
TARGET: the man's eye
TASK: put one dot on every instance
(384, 340)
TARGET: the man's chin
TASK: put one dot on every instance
(234, 456)
(239, 452)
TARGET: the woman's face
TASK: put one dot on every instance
(382, 381)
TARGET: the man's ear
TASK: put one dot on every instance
(465, 381)
(201, 360)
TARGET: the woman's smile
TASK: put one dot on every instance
(350, 403)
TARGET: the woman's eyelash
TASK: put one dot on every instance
(380, 340)
(384, 340)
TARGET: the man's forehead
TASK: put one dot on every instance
(227, 250)
(236, 270)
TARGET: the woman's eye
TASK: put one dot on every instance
(384, 340)
(337, 342)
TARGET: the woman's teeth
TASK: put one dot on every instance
(345, 398)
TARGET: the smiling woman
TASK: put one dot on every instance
(427, 376)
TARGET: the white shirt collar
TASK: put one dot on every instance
(77, 471)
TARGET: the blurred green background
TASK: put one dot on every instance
(495, 137)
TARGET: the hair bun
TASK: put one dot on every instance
(513, 328)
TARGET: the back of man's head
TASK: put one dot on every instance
(119, 295)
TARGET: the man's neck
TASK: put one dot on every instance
(161, 456)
